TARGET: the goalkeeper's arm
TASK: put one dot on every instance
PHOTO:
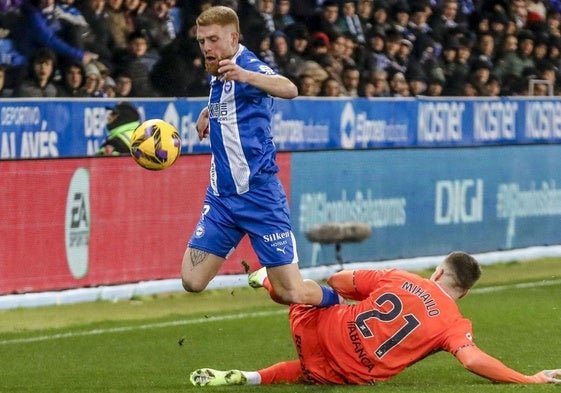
(482, 364)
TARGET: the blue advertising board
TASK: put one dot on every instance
(76, 128)
(422, 202)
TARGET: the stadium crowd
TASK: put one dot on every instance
(350, 48)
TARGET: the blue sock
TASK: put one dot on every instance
(330, 297)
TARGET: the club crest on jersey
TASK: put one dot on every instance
(228, 86)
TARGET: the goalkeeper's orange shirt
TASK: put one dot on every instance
(400, 319)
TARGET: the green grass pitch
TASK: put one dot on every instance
(151, 344)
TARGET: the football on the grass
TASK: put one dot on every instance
(155, 144)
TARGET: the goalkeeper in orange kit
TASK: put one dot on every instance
(399, 318)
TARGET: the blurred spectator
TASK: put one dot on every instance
(10, 6)
(156, 24)
(117, 23)
(419, 28)
(379, 80)
(315, 70)
(367, 90)
(266, 54)
(417, 80)
(288, 62)
(515, 62)
(462, 66)
(75, 28)
(351, 81)
(400, 18)
(93, 86)
(444, 22)
(98, 20)
(123, 85)
(365, 12)
(4, 90)
(282, 17)
(398, 85)
(471, 89)
(540, 48)
(298, 40)
(138, 62)
(304, 10)
(403, 54)
(330, 87)
(253, 26)
(498, 27)
(14, 64)
(349, 21)
(308, 86)
(324, 20)
(40, 27)
(376, 44)
(319, 45)
(176, 16)
(39, 82)
(546, 70)
(72, 81)
(337, 58)
(447, 59)
(493, 86)
(390, 61)
(553, 23)
(109, 87)
(480, 73)
(485, 47)
(435, 88)
(133, 9)
(267, 10)
(180, 71)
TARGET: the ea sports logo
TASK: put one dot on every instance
(77, 223)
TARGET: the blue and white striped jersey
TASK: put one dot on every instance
(243, 152)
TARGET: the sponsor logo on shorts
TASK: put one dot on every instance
(273, 237)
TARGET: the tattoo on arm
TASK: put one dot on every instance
(197, 256)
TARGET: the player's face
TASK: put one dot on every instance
(217, 43)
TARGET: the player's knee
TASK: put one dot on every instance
(192, 285)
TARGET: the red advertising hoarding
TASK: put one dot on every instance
(70, 223)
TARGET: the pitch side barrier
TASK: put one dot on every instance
(426, 176)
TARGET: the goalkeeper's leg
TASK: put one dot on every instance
(286, 372)
(325, 296)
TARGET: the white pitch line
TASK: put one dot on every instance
(140, 327)
(543, 283)
(230, 317)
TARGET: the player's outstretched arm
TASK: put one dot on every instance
(274, 84)
(482, 364)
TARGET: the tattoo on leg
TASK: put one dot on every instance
(197, 256)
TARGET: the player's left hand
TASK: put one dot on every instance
(230, 71)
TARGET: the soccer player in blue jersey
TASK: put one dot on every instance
(245, 195)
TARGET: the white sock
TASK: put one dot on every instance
(253, 377)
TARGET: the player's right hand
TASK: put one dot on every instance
(550, 376)
(202, 125)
